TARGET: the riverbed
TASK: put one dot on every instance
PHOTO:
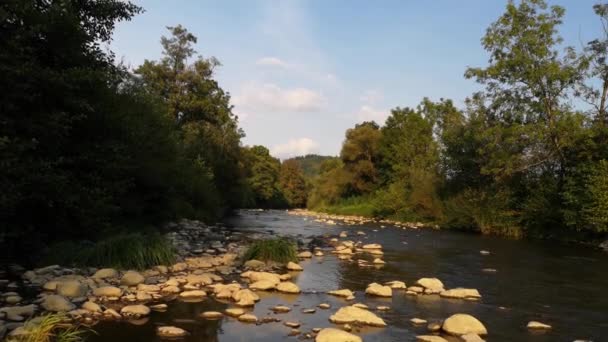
(519, 280)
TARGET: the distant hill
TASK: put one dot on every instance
(311, 163)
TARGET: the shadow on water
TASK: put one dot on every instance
(562, 285)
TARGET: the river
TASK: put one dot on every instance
(561, 285)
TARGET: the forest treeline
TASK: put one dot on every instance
(90, 148)
(526, 155)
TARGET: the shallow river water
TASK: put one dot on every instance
(562, 285)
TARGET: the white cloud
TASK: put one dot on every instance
(372, 96)
(268, 97)
(369, 113)
(295, 147)
(272, 62)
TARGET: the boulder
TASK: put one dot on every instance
(460, 293)
(433, 284)
(132, 278)
(396, 284)
(105, 273)
(170, 331)
(248, 318)
(292, 266)
(342, 293)
(57, 303)
(272, 277)
(234, 312)
(199, 279)
(135, 310)
(288, 287)
(263, 285)
(212, 315)
(245, 297)
(91, 306)
(471, 338)
(376, 289)
(538, 325)
(430, 338)
(305, 255)
(336, 335)
(72, 288)
(351, 314)
(107, 291)
(462, 324)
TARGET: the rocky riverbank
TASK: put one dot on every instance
(209, 266)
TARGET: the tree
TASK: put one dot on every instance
(292, 184)
(263, 172)
(359, 154)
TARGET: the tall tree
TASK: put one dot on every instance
(359, 154)
(292, 184)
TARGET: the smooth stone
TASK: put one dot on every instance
(430, 338)
(341, 293)
(305, 255)
(471, 338)
(336, 335)
(248, 318)
(212, 315)
(281, 309)
(263, 285)
(434, 327)
(460, 293)
(159, 307)
(107, 291)
(351, 314)
(254, 264)
(292, 266)
(170, 331)
(193, 294)
(376, 289)
(234, 312)
(132, 278)
(292, 324)
(418, 321)
(245, 297)
(139, 310)
(57, 303)
(433, 284)
(462, 324)
(71, 288)
(91, 306)
(538, 325)
(324, 306)
(105, 273)
(288, 287)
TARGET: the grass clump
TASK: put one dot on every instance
(47, 328)
(278, 250)
(122, 251)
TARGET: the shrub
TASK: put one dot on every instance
(49, 328)
(123, 251)
(279, 250)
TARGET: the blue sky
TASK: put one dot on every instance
(302, 72)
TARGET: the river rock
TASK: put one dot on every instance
(112, 313)
(379, 261)
(245, 297)
(288, 287)
(91, 306)
(234, 312)
(258, 276)
(336, 335)
(199, 279)
(376, 289)
(105, 273)
(19, 313)
(292, 266)
(324, 306)
(434, 285)
(430, 338)
(57, 303)
(170, 331)
(396, 285)
(72, 288)
(471, 338)
(538, 325)
(254, 264)
(460, 293)
(281, 309)
(343, 251)
(171, 289)
(434, 327)
(107, 291)
(341, 293)
(148, 288)
(351, 314)
(12, 299)
(462, 324)
(193, 294)
(305, 255)
(132, 278)
(372, 246)
(135, 310)
(248, 318)
(263, 285)
(212, 315)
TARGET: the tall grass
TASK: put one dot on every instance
(122, 251)
(52, 327)
(279, 250)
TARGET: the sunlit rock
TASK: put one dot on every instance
(351, 314)
(462, 324)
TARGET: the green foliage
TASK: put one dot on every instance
(278, 250)
(311, 164)
(360, 154)
(50, 327)
(292, 184)
(262, 178)
(122, 251)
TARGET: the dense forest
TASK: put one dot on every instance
(90, 148)
(525, 156)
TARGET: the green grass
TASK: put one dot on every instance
(357, 206)
(279, 250)
(122, 251)
(52, 327)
